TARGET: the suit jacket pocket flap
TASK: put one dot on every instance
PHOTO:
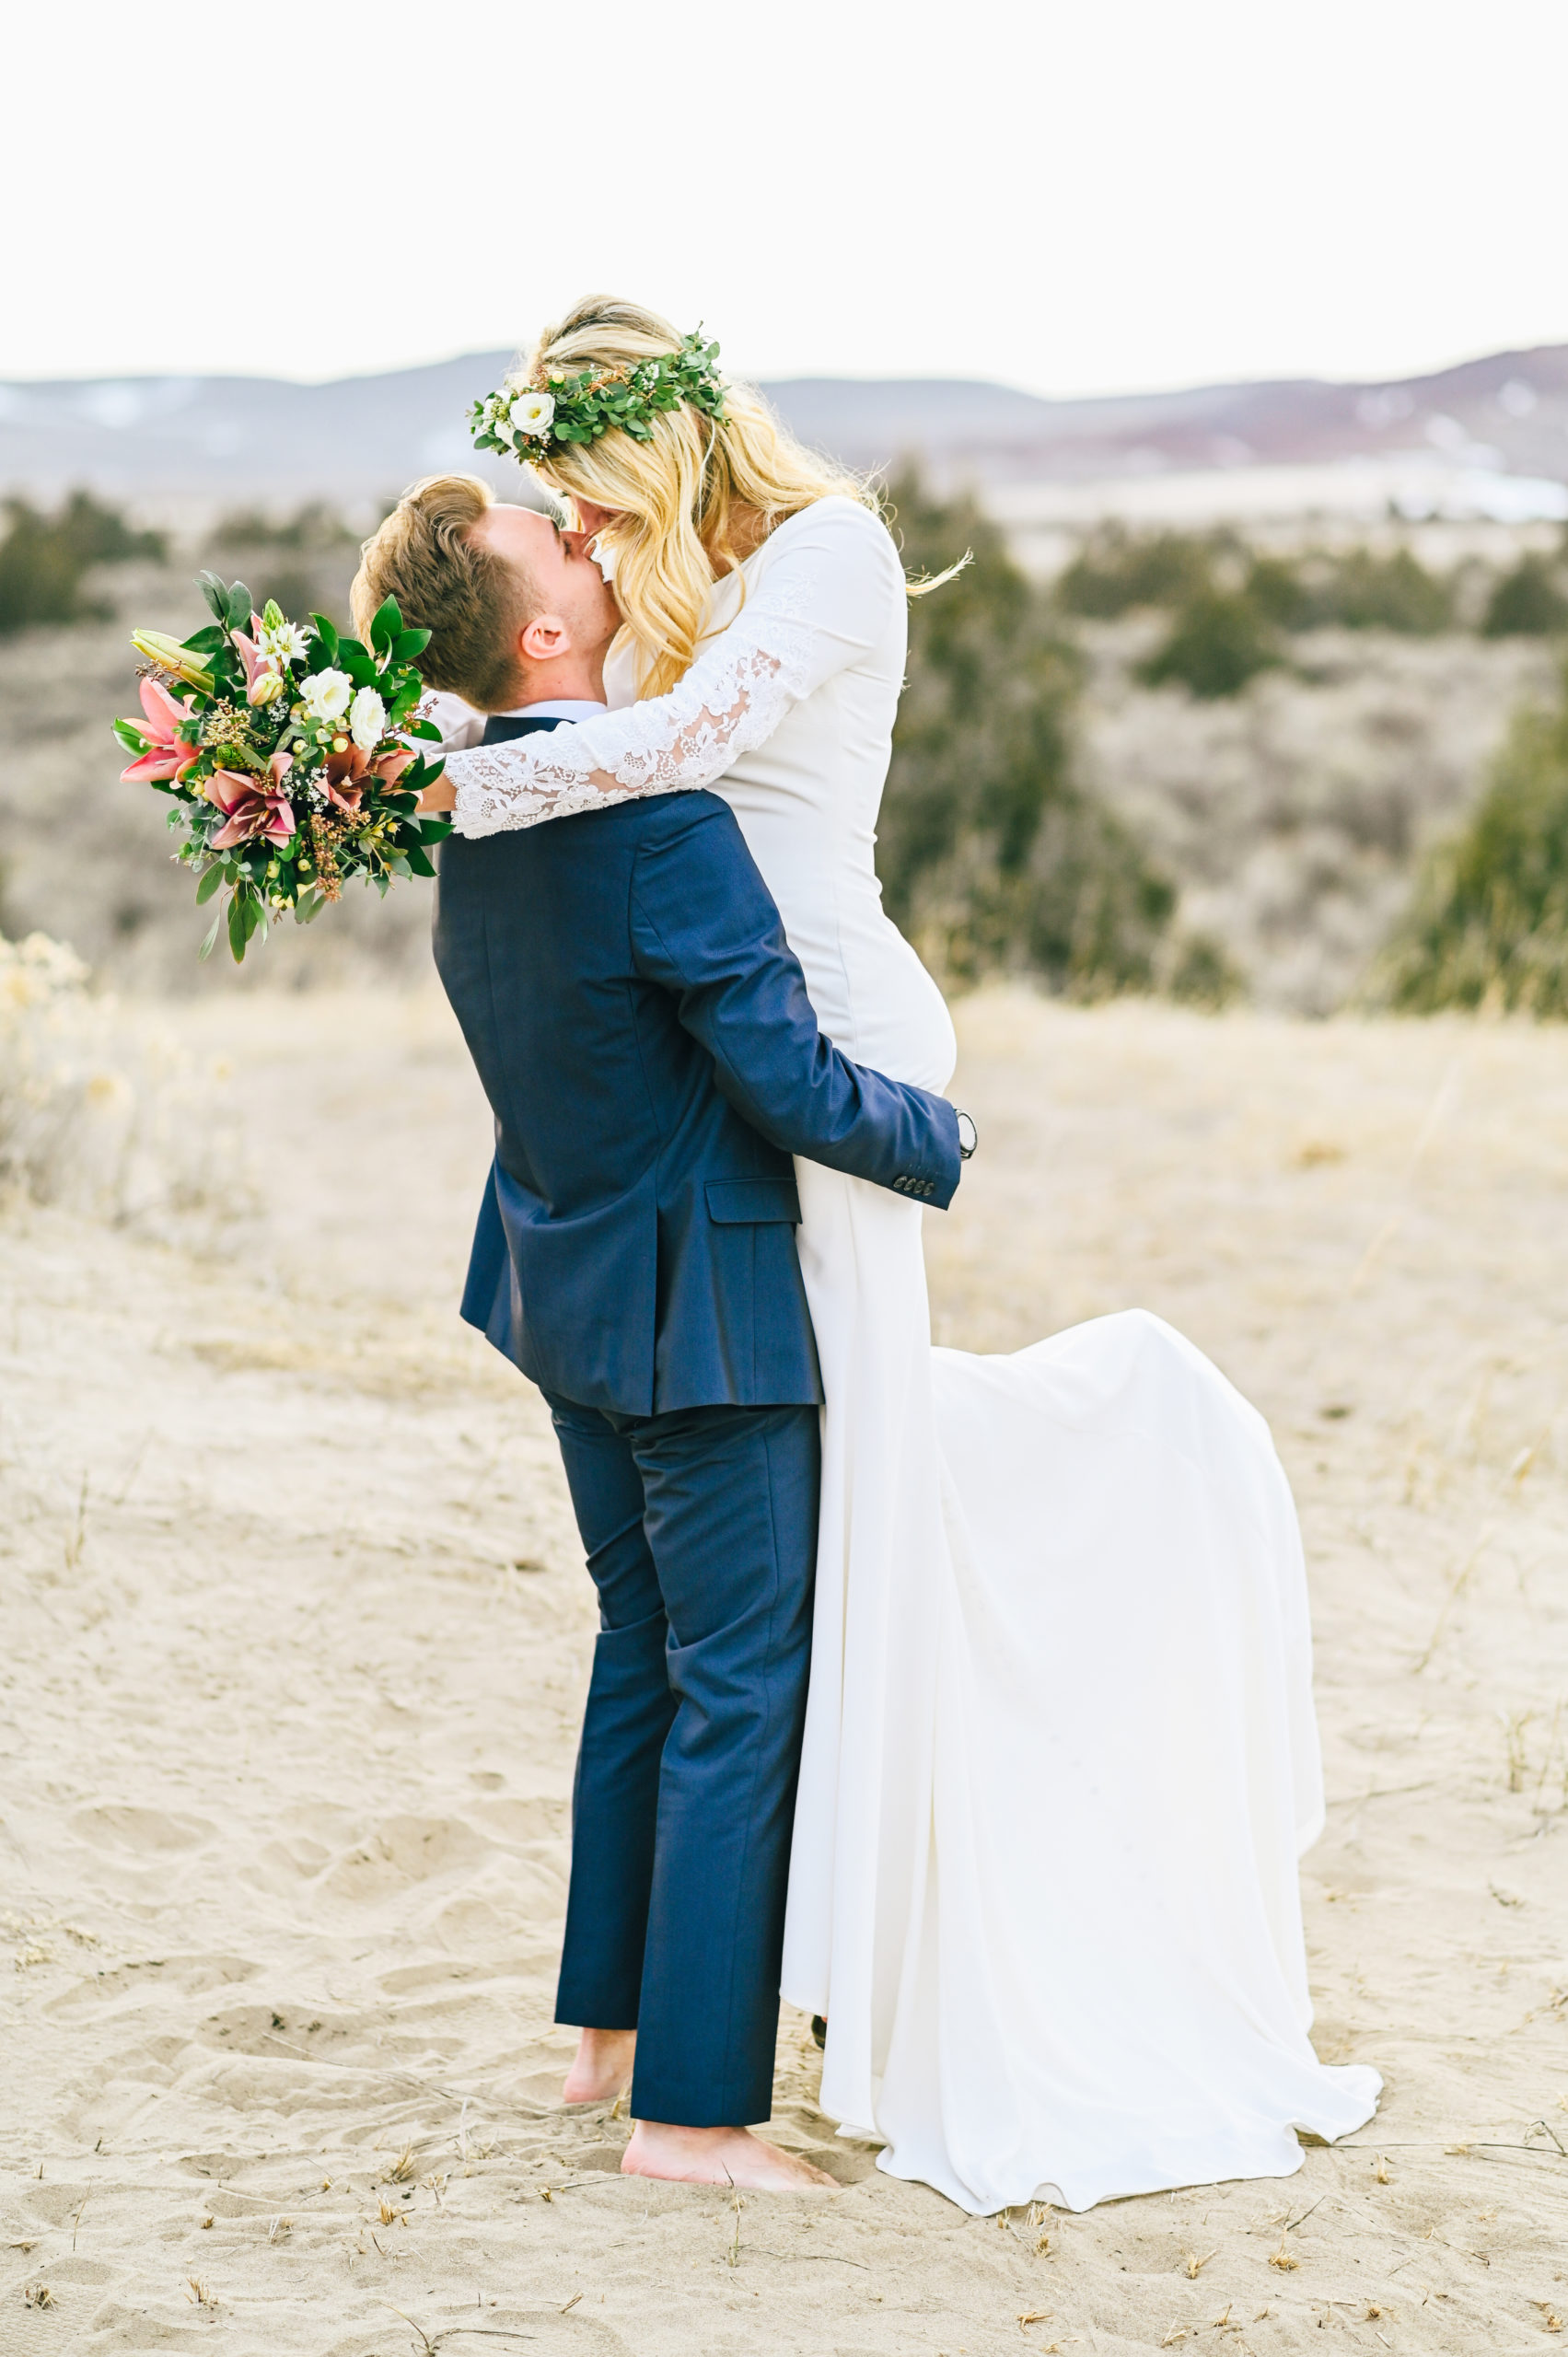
(749, 1202)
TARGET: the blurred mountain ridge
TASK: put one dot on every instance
(358, 439)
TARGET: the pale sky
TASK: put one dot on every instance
(1102, 196)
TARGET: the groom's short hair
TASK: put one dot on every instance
(471, 601)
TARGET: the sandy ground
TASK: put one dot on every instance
(294, 1638)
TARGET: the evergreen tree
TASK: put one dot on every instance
(1217, 642)
(1527, 603)
(1489, 923)
(43, 558)
(991, 855)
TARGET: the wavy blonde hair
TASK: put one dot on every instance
(683, 493)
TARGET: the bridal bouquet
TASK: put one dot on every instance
(286, 750)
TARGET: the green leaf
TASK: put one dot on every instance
(422, 729)
(326, 633)
(358, 662)
(409, 643)
(309, 908)
(387, 624)
(211, 588)
(239, 606)
(130, 736)
(435, 831)
(210, 640)
(418, 863)
(208, 885)
(206, 949)
(238, 930)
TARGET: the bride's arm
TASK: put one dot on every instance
(821, 603)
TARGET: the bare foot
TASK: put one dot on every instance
(718, 2156)
(603, 2066)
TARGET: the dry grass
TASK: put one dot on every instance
(298, 1738)
(1294, 816)
(102, 1112)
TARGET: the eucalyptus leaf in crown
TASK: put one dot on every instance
(527, 421)
(287, 752)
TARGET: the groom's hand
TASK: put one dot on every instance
(441, 794)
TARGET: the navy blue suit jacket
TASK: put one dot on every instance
(644, 1035)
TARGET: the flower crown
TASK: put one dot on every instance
(526, 419)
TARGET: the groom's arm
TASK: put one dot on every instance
(704, 926)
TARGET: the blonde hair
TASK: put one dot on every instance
(473, 602)
(680, 495)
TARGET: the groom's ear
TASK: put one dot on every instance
(544, 638)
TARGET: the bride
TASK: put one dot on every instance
(1059, 1756)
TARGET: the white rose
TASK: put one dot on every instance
(532, 413)
(326, 694)
(368, 720)
(502, 429)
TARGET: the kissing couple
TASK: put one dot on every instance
(964, 1700)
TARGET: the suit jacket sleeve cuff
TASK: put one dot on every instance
(949, 1164)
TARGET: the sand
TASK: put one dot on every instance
(295, 1632)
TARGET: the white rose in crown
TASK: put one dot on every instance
(532, 413)
(368, 720)
(326, 694)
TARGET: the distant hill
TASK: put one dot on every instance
(233, 438)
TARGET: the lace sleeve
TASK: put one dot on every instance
(821, 602)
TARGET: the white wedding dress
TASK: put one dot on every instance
(1060, 1755)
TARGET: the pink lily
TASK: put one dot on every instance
(252, 806)
(168, 755)
(345, 775)
(389, 767)
(258, 668)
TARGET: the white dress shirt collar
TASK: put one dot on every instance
(564, 708)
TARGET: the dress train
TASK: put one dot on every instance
(1060, 1757)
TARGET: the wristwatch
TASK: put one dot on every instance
(969, 1136)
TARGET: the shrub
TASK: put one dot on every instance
(43, 558)
(1118, 571)
(991, 855)
(311, 528)
(98, 535)
(1527, 603)
(1200, 974)
(1489, 922)
(1365, 591)
(1216, 644)
(305, 561)
(1280, 597)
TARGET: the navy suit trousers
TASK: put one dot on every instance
(700, 1528)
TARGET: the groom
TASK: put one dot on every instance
(652, 1062)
